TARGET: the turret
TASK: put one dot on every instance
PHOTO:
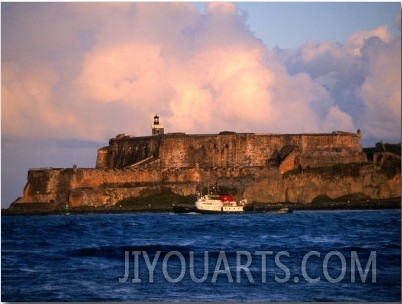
(157, 128)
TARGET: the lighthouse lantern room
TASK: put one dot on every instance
(157, 128)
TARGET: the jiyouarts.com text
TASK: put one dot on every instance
(235, 267)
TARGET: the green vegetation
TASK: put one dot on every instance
(220, 190)
(391, 167)
(393, 148)
(156, 200)
(342, 170)
(321, 199)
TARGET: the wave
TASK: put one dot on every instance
(27, 270)
(118, 251)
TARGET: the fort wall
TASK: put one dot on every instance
(255, 164)
(229, 149)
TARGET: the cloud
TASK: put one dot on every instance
(357, 41)
(217, 77)
(362, 77)
(28, 102)
(112, 66)
(397, 22)
(381, 90)
(336, 117)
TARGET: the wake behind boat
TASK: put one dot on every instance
(213, 203)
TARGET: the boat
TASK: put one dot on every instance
(66, 210)
(281, 210)
(253, 208)
(214, 203)
(183, 209)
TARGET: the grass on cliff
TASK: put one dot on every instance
(157, 200)
(343, 170)
(391, 167)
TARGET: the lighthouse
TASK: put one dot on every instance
(157, 128)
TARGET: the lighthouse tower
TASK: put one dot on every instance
(157, 128)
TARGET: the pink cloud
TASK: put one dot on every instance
(381, 91)
(113, 66)
(362, 77)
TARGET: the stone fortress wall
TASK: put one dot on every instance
(255, 164)
(229, 149)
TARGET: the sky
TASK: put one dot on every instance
(76, 74)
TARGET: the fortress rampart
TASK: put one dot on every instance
(255, 164)
(229, 149)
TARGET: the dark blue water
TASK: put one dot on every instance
(82, 257)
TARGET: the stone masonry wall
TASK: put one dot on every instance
(231, 149)
(253, 163)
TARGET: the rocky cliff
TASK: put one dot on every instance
(354, 180)
(260, 167)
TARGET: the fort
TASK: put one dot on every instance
(262, 167)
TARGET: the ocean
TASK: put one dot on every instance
(301, 256)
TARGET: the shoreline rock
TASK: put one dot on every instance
(381, 204)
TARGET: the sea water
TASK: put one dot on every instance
(301, 256)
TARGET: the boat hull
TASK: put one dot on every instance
(217, 212)
(184, 209)
(247, 209)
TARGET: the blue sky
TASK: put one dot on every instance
(289, 25)
(76, 74)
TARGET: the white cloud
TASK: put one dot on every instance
(111, 67)
(336, 117)
(362, 77)
(28, 102)
(381, 91)
(356, 41)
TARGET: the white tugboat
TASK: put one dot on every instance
(213, 203)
